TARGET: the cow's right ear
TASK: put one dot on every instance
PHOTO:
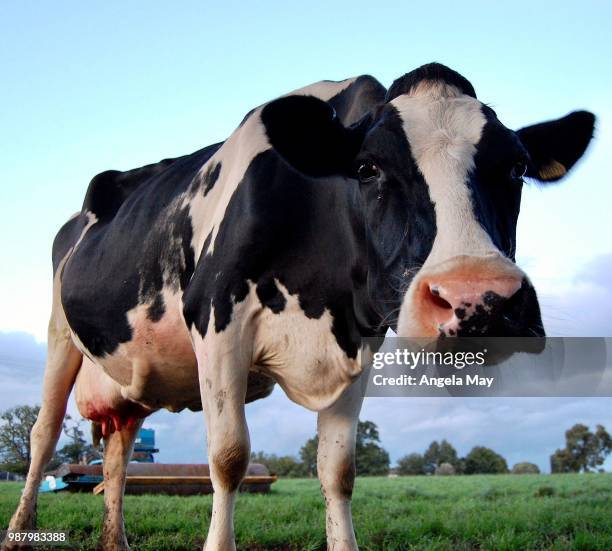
(306, 132)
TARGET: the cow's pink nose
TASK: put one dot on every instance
(453, 304)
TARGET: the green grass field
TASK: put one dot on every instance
(458, 513)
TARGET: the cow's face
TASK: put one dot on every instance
(441, 181)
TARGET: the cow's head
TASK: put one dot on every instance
(441, 178)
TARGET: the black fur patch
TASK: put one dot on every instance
(269, 295)
(400, 217)
(460, 313)
(66, 237)
(496, 197)
(518, 316)
(157, 309)
(433, 72)
(210, 177)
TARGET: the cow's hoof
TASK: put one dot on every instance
(21, 522)
(7, 545)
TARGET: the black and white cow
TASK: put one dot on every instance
(328, 215)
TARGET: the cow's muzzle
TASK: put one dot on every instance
(471, 296)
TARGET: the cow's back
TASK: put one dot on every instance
(128, 237)
(109, 190)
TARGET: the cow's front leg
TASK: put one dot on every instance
(118, 448)
(337, 427)
(223, 371)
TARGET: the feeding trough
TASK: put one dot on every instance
(186, 479)
(146, 477)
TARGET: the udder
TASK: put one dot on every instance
(99, 399)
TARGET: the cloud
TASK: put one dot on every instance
(597, 272)
(21, 350)
(581, 307)
(22, 361)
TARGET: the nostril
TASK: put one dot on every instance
(437, 312)
(436, 300)
(439, 302)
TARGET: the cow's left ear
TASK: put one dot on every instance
(306, 132)
(555, 146)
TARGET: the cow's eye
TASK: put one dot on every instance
(367, 171)
(518, 170)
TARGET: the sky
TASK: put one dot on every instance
(86, 89)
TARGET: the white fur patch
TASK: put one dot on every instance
(303, 355)
(443, 130)
(324, 90)
(91, 220)
(235, 156)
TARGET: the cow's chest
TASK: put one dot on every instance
(303, 355)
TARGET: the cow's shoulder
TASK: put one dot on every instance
(108, 190)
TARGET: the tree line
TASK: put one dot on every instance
(584, 451)
(15, 450)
